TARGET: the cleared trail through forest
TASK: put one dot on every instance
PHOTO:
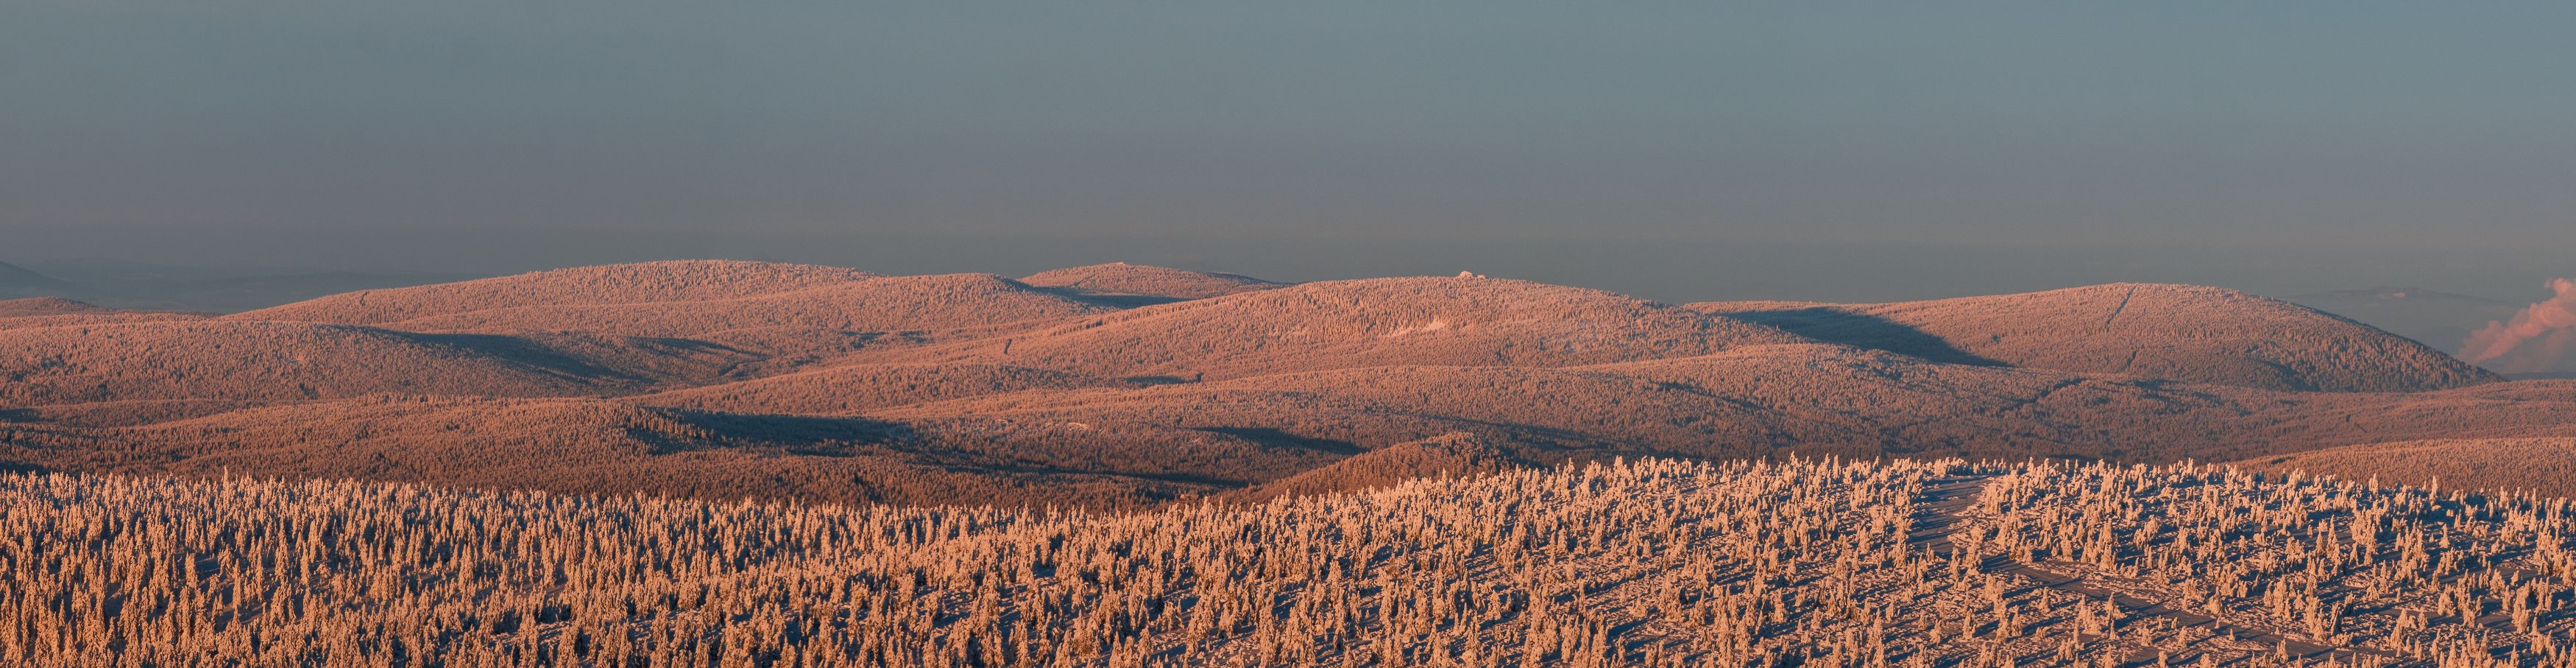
(1945, 506)
(1940, 515)
(2122, 308)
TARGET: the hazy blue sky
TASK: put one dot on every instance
(1673, 150)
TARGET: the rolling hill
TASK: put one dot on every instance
(1763, 400)
(597, 446)
(2176, 332)
(640, 283)
(1345, 324)
(876, 304)
(796, 312)
(285, 362)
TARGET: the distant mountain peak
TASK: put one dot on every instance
(14, 276)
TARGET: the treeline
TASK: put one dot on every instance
(1657, 562)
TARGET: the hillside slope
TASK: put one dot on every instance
(2178, 332)
(1125, 443)
(794, 312)
(1762, 400)
(2438, 319)
(862, 387)
(1345, 324)
(585, 446)
(2543, 465)
(595, 447)
(280, 361)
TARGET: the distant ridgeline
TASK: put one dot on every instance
(1128, 386)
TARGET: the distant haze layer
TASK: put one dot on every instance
(1684, 151)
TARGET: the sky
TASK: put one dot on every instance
(1677, 151)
